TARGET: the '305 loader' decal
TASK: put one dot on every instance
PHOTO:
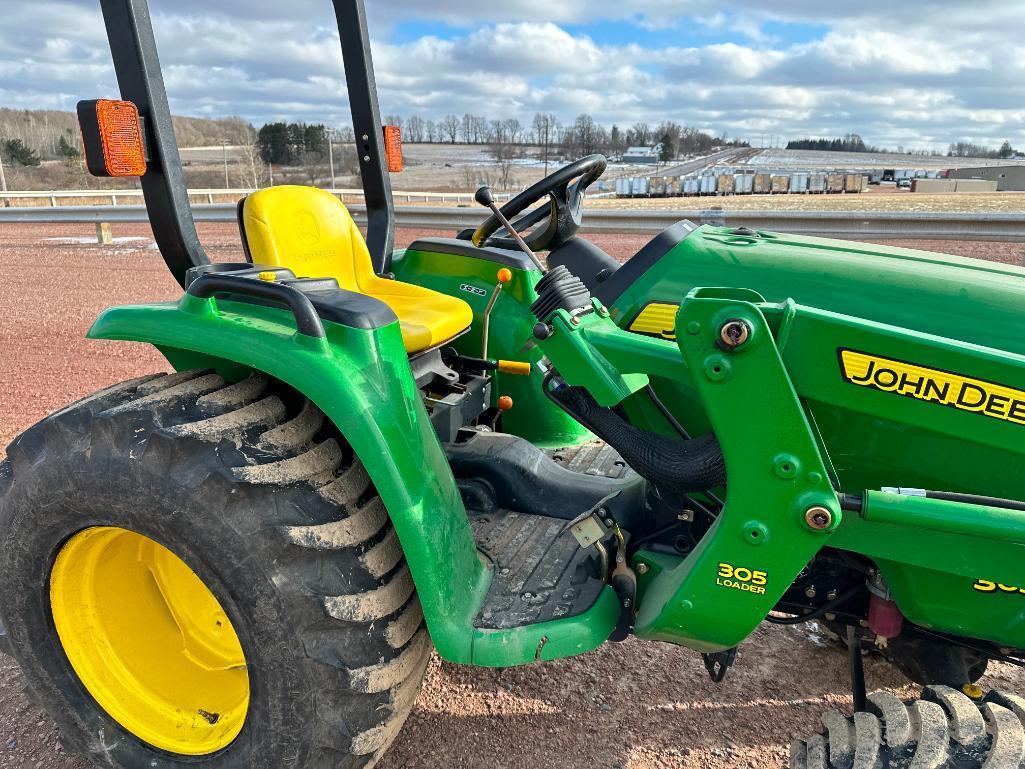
(933, 385)
(741, 578)
(986, 586)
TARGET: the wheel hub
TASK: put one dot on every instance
(149, 641)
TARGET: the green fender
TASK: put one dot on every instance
(360, 379)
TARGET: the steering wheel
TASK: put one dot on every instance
(564, 214)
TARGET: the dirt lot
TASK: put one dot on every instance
(804, 159)
(642, 706)
(881, 198)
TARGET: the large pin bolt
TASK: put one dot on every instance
(734, 333)
(818, 517)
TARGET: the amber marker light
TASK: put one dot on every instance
(112, 138)
(393, 148)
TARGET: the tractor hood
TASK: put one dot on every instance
(965, 299)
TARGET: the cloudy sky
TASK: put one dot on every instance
(900, 72)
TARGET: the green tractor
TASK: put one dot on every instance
(366, 455)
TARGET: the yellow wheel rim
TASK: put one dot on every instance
(149, 641)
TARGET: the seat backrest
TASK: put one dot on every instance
(307, 230)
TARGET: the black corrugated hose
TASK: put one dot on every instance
(681, 466)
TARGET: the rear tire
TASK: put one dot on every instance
(260, 496)
(944, 729)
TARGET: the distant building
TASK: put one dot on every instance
(1008, 178)
(643, 156)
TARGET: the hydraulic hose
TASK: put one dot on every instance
(681, 466)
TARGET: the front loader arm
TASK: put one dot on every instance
(781, 507)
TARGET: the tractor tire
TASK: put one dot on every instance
(271, 517)
(945, 729)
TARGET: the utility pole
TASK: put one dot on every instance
(3, 182)
(224, 153)
(547, 124)
(331, 154)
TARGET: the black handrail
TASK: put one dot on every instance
(307, 321)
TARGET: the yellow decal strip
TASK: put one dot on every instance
(933, 385)
(657, 319)
(985, 586)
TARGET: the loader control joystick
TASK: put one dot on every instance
(560, 289)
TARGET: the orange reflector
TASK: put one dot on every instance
(393, 148)
(112, 136)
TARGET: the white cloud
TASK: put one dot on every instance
(908, 72)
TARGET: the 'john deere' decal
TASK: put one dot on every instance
(933, 385)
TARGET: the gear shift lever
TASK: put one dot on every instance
(486, 198)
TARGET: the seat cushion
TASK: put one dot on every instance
(427, 319)
(309, 231)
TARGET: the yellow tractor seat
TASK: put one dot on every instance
(310, 232)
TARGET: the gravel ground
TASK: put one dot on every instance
(631, 705)
(883, 198)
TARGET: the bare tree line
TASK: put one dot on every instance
(582, 136)
(42, 130)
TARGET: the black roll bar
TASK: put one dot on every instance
(130, 34)
(134, 52)
(366, 123)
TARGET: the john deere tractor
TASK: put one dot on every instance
(366, 455)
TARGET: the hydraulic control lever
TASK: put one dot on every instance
(486, 198)
(590, 529)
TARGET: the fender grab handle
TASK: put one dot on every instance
(307, 321)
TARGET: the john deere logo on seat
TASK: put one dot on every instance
(933, 385)
(307, 231)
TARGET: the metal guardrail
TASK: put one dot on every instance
(114, 196)
(861, 225)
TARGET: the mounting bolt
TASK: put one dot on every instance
(686, 515)
(831, 595)
(575, 320)
(810, 592)
(829, 616)
(642, 568)
(734, 333)
(818, 517)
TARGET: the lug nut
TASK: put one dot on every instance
(734, 333)
(818, 517)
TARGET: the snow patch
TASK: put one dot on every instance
(91, 240)
(814, 634)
